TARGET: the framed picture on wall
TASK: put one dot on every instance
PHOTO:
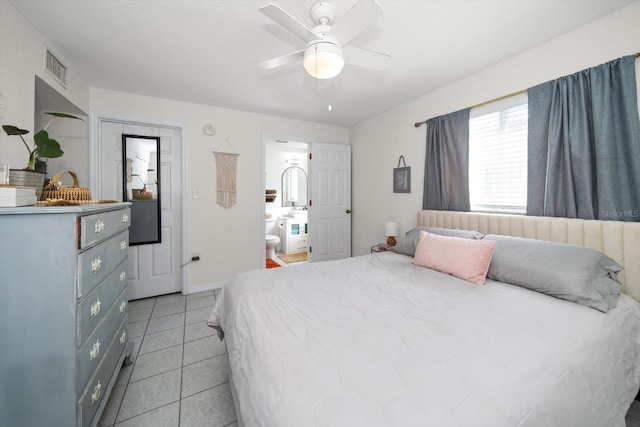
(402, 180)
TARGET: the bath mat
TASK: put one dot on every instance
(272, 264)
(293, 257)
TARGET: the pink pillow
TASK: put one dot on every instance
(463, 258)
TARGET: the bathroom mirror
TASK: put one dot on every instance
(294, 187)
(141, 187)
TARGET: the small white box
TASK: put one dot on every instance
(13, 202)
(10, 191)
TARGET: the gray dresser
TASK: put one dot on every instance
(63, 312)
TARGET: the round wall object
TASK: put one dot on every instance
(209, 130)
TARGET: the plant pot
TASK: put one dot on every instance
(25, 178)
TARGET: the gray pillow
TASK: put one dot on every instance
(572, 273)
(407, 246)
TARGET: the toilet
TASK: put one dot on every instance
(272, 242)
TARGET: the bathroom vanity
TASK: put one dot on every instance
(294, 235)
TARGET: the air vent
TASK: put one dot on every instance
(56, 68)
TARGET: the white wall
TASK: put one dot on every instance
(229, 241)
(377, 143)
(22, 56)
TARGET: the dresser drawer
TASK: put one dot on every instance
(96, 263)
(95, 306)
(92, 351)
(98, 227)
(96, 390)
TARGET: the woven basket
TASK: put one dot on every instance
(55, 190)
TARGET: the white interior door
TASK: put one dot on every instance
(330, 202)
(154, 269)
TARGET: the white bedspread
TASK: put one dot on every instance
(376, 341)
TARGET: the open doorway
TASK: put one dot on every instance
(286, 168)
(73, 135)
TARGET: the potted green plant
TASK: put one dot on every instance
(44, 147)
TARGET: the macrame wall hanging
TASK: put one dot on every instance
(226, 165)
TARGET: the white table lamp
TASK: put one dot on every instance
(391, 231)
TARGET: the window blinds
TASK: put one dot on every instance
(498, 155)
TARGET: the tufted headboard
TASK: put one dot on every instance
(619, 240)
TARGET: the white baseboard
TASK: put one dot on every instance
(205, 287)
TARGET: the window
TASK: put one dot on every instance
(498, 156)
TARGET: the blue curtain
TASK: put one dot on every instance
(446, 171)
(584, 145)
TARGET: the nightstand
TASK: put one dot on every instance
(380, 247)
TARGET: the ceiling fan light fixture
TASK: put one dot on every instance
(323, 59)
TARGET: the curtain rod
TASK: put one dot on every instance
(418, 124)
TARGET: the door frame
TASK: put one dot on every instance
(266, 136)
(95, 119)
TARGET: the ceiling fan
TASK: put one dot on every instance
(327, 44)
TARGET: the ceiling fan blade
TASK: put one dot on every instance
(366, 58)
(359, 17)
(283, 60)
(288, 21)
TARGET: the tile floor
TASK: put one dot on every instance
(179, 377)
(180, 373)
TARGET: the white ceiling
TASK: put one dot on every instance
(207, 51)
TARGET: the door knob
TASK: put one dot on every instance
(348, 211)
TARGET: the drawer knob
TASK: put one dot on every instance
(96, 264)
(123, 305)
(95, 396)
(95, 350)
(99, 227)
(125, 218)
(95, 308)
(123, 245)
(123, 275)
(123, 337)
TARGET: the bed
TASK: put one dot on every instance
(377, 340)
